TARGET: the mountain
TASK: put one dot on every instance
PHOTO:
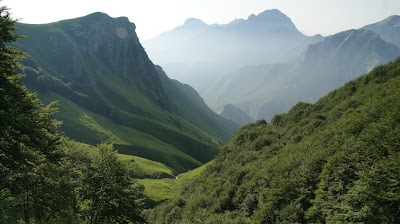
(388, 29)
(109, 90)
(174, 41)
(235, 114)
(195, 52)
(265, 90)
(335, 161)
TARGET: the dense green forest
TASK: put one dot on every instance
(335, 161)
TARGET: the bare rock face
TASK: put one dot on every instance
(86, 48)
(388, 29)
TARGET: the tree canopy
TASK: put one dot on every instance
(43, 177)
(335, 161)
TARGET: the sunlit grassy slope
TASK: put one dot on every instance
(109, 91)
(159, 190)
(160, 181)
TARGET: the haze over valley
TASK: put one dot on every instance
(264, 65)
(247, 121)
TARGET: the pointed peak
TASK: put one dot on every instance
(271, 14)
(252, 16)
(194, 22)
(395, 19)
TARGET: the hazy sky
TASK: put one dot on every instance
(155, 16)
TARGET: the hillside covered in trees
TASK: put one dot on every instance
(335, 161)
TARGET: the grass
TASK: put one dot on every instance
(87, 127)
(144, 168)
(159, 190)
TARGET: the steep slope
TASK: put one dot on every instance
(173, 42)
(335, 161)
(264, 90)
(235, 114)
(109, 90)
(195, 52)
(388, 29)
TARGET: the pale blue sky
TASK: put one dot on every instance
(152, 17)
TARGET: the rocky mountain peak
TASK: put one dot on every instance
(272, 20)
(388, 29)
(194, 22)
(391, 21)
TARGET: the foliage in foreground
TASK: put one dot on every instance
(44, 179)
(335, 161)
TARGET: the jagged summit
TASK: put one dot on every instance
(273, 15)
(388, 29)
(271, 20)
(344, 44)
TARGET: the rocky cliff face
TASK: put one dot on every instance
(80, 51)
(110, 91)
(388, 29)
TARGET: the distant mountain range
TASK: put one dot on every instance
(196, 51)
(233, 113)
(265, 90)
(109, 90)
(276, 65)
(335, 161)
(388, 29)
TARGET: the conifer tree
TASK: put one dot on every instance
(28, 133)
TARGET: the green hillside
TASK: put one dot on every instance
(160, 190)
(335, 161)
(109, 91)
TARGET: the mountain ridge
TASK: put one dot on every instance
(332, 161)
(230, 111)
(96, 65)
(388, 29)
(269, 37)
(265, 90)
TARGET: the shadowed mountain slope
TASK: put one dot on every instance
(109, 90)
(265, 90)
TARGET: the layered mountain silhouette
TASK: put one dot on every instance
(388, 29)
(196, 50)
(335, 161)
(235, 114)
(109, 90)
(265, 90)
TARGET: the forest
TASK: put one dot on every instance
(44, 177)
(333, 161)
